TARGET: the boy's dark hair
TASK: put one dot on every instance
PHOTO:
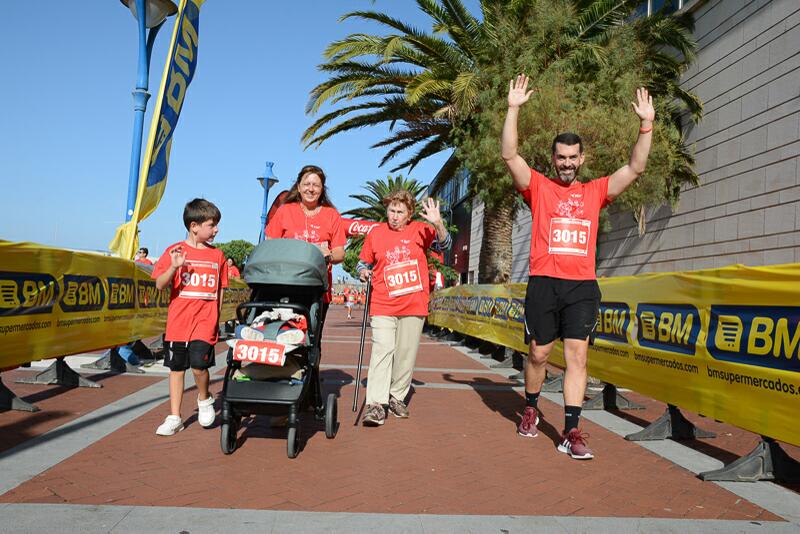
(199, 211)
(144, 249)
(569, 139)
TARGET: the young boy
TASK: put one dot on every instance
(196, 273)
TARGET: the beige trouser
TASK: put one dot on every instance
(395, 341)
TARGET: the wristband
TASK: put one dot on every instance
(645, 130)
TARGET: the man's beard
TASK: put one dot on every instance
(568, 177)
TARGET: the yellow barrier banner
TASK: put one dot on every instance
(56, 302)
(724, 343)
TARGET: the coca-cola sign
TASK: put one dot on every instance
(356, 227)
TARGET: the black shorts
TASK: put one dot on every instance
(560, 309)
(181, 355)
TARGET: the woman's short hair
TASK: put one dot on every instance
(402, 196)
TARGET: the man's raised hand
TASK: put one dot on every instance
(643, 106)
(518, 92)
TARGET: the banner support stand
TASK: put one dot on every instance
(9, 401)
(60, 373)
(610, 399)
(554, 385)
(508, 361)
(672, 425)
(487, 350)
(112, 361)
(768, 461)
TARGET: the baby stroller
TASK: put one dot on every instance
(288, 279)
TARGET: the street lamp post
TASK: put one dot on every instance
(267, 181)
(150, 16)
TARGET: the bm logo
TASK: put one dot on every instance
(670, 327)
(767, 336)
(613, 321)
(27, 293)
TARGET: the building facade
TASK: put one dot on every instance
(746, 207)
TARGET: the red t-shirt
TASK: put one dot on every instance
(193, 313)
(291, 222)
(233, 272)
(143, 260)
(400, 283)
(564, 229)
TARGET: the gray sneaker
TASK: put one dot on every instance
(398, 408)
(374, 415)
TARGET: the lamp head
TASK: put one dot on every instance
(157, 11)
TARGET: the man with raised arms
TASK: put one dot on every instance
(562, 299)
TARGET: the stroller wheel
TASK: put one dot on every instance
(331, 425)
(227, 438)
(292, 443)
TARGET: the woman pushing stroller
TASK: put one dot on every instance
(308, 215)
(394, 256)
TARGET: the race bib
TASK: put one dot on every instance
(569, 236)
(402, 278)
(200, 280)
(263, 352)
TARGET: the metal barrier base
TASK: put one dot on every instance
(452, 336)
(112, 361)
(555, 385)
(9, 401)
(488, 350)
(670, 425)
(61, 374)
(766, 462)
(610, 399)
(511, 359)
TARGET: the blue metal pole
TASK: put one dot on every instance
(266, 182)
(140, 98)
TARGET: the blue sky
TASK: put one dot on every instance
(67, 116)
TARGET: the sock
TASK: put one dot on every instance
(531, 399)
(571, 416)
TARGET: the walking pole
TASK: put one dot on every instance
(361, 346)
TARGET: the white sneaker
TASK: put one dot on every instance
(171, 425)
(205, 412)
(293, 336)
(251, 334)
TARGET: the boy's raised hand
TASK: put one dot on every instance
(518, 92)
(177, 257)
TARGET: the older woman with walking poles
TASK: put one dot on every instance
(394, 258)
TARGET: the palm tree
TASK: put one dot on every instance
(373, 208)
(424, 84)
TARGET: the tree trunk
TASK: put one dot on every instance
(496, 254)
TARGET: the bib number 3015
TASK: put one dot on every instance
(402, 278)
(569, 236)
(200, 280)
(263, 352)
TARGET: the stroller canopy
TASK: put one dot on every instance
(288, 262)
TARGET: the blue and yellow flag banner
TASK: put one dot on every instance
(724, 343)
(178, 73)
(56, 302)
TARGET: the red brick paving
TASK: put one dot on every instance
(457, 454)
(59, 405)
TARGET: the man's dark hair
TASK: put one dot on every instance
(144, 249)
(569, 139)
(199, 211)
